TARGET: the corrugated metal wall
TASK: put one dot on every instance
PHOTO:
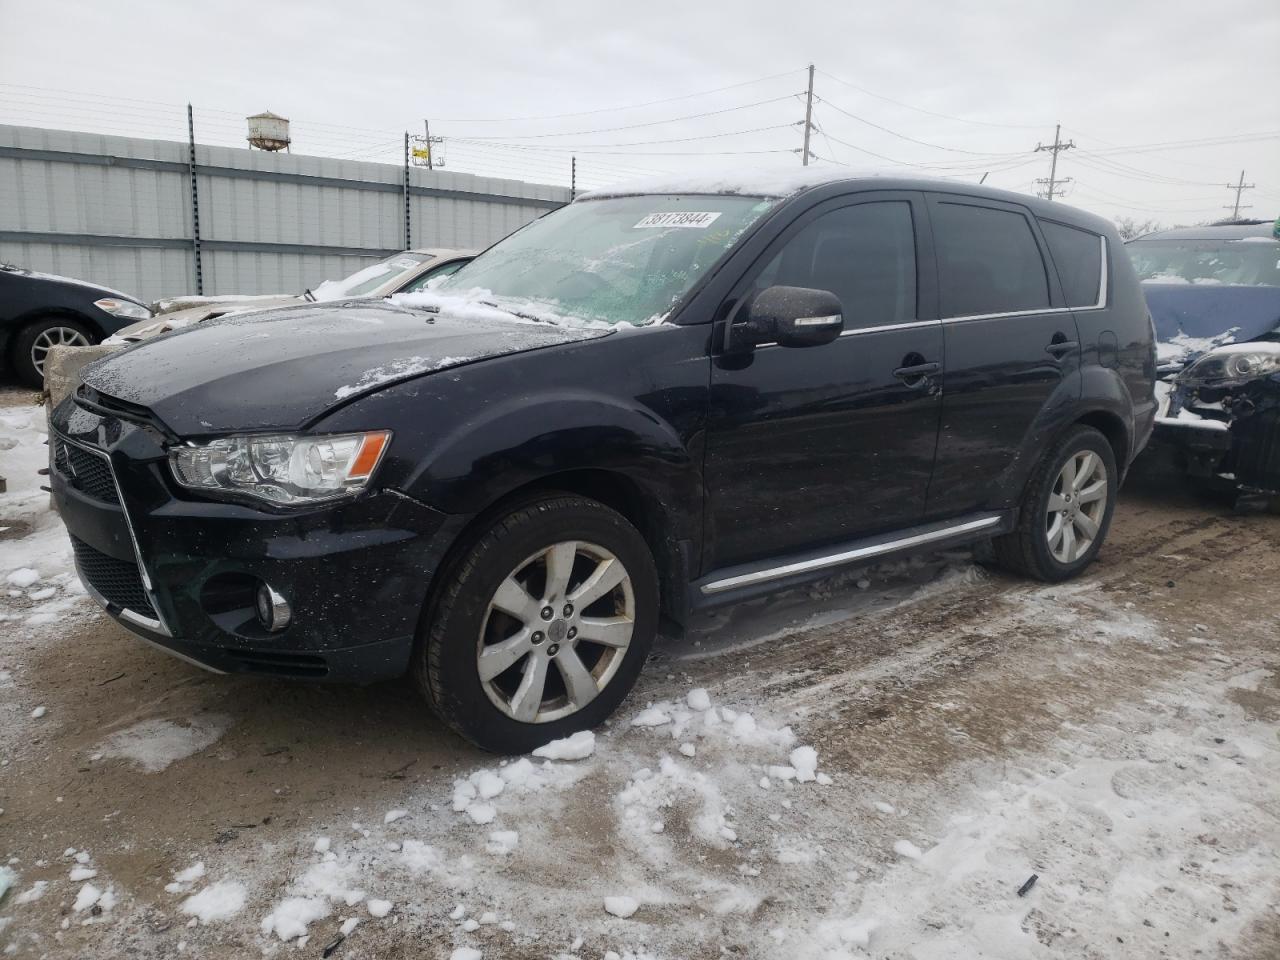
(117, 211)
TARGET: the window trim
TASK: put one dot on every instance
(1104, 287)
(735, 300)
(1052, 285)
(1104, 278)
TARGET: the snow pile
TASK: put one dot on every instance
(579, 746)
(474, 795)
(155, 744)
(291, 917)
(623, 907)
(218, 901)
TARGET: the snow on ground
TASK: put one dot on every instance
(156, 743)
(1133, 833)
(39, 590)
(705, 815)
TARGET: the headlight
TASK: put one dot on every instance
(1234, 363)
(281, 469)
(123, 308)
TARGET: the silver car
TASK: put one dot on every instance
(400, 273)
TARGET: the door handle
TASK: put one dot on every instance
(917, 372)
(1060, 348)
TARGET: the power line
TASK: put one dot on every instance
(931, 113)
(903, 136)
(1116, 168)
(633, 126)
(634, 106)
(641, 143)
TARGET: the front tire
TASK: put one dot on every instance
(31, 345)
(541, 626)
(1066, 510)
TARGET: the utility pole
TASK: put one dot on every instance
(808, 119)
(1239, 188)
(195, 201)
(573, 177)
(1057, 147)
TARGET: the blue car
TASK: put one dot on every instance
(1214, 297)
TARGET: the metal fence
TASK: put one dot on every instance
(123, 212)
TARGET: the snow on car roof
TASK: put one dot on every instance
(1261, 230)
(767, 182)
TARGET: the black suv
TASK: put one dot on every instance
(40, 310)
(643, 404)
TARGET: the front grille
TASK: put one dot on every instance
(117, 581)
(87, 472)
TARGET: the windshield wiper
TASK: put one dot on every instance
(516, 313)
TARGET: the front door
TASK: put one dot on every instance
(817, 445)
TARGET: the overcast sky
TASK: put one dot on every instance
(1117, 74)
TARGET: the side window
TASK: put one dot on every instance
(1078, 256)
(865, 254)
(988, 261)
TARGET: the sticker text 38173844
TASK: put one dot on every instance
(679, 218)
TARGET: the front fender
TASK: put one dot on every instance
(520, 440)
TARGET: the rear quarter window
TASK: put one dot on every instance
(988, 261)
(1078, 256)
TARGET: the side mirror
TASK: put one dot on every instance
(791, 317)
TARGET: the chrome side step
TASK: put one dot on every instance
(753, 575)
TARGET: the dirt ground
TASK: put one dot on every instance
(938, 682)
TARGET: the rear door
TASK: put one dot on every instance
(815, 445)
(1012, 350)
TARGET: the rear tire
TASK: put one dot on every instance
(1066, 509)
(32, 343)
(502, 673)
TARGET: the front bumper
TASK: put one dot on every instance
(1241, 452)
(183, 573)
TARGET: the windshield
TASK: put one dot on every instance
(1248, 262)
(616, 260)
(366, 280)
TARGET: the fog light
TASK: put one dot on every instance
(273, 609)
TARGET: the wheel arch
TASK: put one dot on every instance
(641, 507)
(1111, 426)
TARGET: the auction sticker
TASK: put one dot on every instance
(680, 218)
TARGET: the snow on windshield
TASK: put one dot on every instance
(619, 260)
(1207, 262)
(365, 281)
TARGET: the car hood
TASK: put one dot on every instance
(197, 313)
(284, 368)
(1192, 318)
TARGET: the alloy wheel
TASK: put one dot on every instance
(556, 632)
(54, 337)
(1077, 505)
